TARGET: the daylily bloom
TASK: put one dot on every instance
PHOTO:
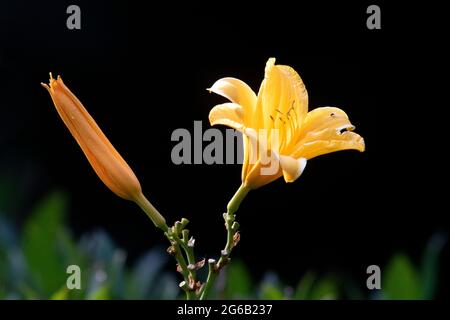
(109, 165)
(281, 107)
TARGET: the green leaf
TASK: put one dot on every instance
(270, 288)
(145, 273)
(239, 284)
(401, 280)
(40, 243)
(430, 265)
(166, 287)
(304, 287)
(325, 289)
(271, 292)
(61, 294)
(102, 293)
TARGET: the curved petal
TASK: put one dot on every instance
(327, 141)
(326, 130)
(325, 117)
(260, 168)
(228, 114)
(292, 168)
(282, 99)
(238, 92)
(254, 179)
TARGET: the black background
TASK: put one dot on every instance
(142, 70)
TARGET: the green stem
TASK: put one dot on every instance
(173, 235)
(232, 228)
(151, 212)
(210, 280)
(235, 202)
(177, 244)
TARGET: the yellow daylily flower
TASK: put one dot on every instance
(109, 165)
(281, 107)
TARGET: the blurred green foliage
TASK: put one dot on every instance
(33, 265)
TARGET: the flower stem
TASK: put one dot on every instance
(232, 228)
(177, 245)
(210, 280)
(235, 202)
(151, 212)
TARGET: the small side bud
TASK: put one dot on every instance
(200, 264)
(236, 238)
(191, 242)
(178, 227)
(184, 222)
(171, 250)
(212, 264)
(185, 234)
(191, 266)
(183, 285)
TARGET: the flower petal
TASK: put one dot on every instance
(326, 130)
(258, 168)
(282, 98)
(327, 141)
(292, 168)
(325, 117)
(228, 114)
(237, 92)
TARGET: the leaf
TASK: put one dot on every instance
(61, 294)
(325, 289)
(238, 285)
(40, 243)
(304, 287)
(166, 287)
(102, 293)
(144, 275)
(270, 288)
(430, 265)
(401, 280)
(271, 292)
(98, 246)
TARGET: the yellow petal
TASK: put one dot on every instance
(326, 130)
(254, 179)
(282, 99)
(346, 141)
(228, 114)
(292, 168)
(325, 117)
(238, 92)
(258, 171)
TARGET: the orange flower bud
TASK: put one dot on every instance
(109, 165)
